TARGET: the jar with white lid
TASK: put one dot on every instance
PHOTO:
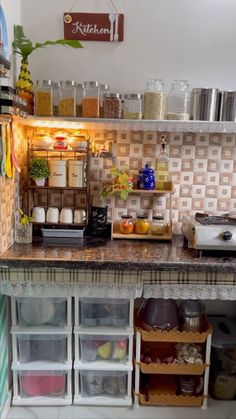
(57, 173)
(67, 98)
(44, 98)
(103, 89)
(179, 100)
(154, 100)
(90, 105)
(158, 225)
(76, 173)
(112, 105)
(132, 108)
(79, 98)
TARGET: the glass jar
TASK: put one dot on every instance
(112, 105)
(79, 99)
(90, 105)
(56, 90)
(104, 88)
(158, 225)
(179, 99)
(142, 225)
(67, 98)
(126, 225)
(154, 100)
(132, 106)
(44, 98)
(23, 234)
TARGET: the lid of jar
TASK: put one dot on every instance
(80, 85)
(142, 217)
(205, 90)
(126, 216)
(56, 84)
(192, 308)
(133, 96)
(45, 82)
(104, 86)
(91, 84)
(155, 84)
(112, 95)
(67, 83)
(158, 217)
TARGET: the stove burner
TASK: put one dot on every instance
(206, 219)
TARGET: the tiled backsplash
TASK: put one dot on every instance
(202, 167)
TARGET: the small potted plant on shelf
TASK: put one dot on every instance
(24, 229)
(121, 183)
(38, 170)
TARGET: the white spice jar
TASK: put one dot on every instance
(76, 173)
(57, 175)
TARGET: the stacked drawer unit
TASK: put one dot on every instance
(103, 339)
(41, 351)
(4, 388)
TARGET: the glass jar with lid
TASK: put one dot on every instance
(154, 100)
(79, 98)
(112, 105)
(132, 108)
(56, 89)
(90, 105)
(104, 88)
(44, 98)
(126, 224)
(142, 225)
(178, 101)
(158, 225)
(67, 98)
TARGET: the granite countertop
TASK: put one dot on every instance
(117, 254)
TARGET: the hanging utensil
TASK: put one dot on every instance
(2, 152)
(9, 172)
(112, 19)
(13, 154)
(116, 35)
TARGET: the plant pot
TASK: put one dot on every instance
(24, 233)
(40, 182)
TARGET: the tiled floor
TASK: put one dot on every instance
(215, 410)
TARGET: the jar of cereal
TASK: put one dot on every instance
(44, 98)
(90, 104)
(67, 98)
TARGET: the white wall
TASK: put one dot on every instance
(166, 39)
(12, 11)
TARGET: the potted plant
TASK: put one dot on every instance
(121, 183)
(24, 229)
(38, 170)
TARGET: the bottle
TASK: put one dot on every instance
(154, 100)
(162, 168)
(179, 99)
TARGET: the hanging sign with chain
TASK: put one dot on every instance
(94, 26)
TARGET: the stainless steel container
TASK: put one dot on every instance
(191, 312)
(205, 104)
(227, 106)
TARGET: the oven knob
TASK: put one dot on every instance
(226, 235)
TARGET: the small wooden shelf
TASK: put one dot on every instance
(62, 188)
(117, 235)
(172, 368)
(170, 400)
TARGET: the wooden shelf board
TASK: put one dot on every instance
(141, 236)
(58, 188)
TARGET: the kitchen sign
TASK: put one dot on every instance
(94, 26)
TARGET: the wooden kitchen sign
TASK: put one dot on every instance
(94, 26)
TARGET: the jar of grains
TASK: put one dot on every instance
(67, 98)
(44, 98)
(154, 100)
(56, 89)
(132, 106)
(112, 105)
(104, 88)
(179, 100)
(79, 98)
(90, 105)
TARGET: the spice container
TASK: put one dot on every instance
(205, 104)
(126, 225)
(104, 88)
(90, 105)
(67, 98)
(79, 99)
(44, 98)
(178, 102)
(112, 105)
(142, 225)
(132, 106)
(191, 312)
(154, 100)
(158, 225)
(56, 89)
(76, 173)
(57, 176)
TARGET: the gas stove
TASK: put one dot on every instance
(207, 232)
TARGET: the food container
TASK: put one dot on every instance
(191, 313)
(104, 312)
(67, 98)
(78, 142)
(60, 141)
(103, 89)
(126, 224)
(158, 225)
(132, 107)
(76, 173)
(112, 105)
(205, 104)
(90, 105)
(106, 383)
(227, 106)
(178, 101)
(142, 225)
(33, 311)
(57, 173)
(44, 98)
(154, 100)
(79, 98)
(103, 348)
(41, 141)
(56, 91)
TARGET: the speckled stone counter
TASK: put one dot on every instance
(152, 268)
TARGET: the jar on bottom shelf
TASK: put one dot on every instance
(142, 225)
(126, 224)
(158, 226)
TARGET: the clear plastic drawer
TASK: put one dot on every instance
(103, 348)
(104, 312)
(103, 383)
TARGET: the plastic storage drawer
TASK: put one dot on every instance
(42, 347)
(103, 348)
(32, 311)
(104, 312)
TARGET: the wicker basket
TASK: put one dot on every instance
(173, 368)
(170, 400)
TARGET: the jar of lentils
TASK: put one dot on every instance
(90, 105)
(44, 98)
(132, 106)
(67, 98)
(112, 105)
(79, 98)
(103, 89)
